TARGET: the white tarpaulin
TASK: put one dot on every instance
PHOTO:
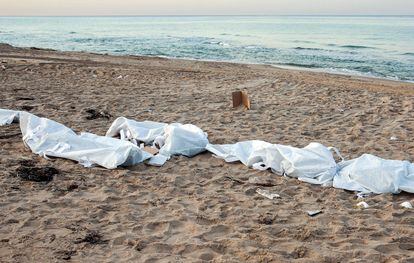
(187, 140)
(371, 174)
(51, 139)
(8, 116)
(145, 131)
(313, 164)
(173, 139)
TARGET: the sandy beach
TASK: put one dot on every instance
(199, 209)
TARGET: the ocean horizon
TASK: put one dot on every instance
(362, 45)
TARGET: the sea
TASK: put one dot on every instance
(376, 46)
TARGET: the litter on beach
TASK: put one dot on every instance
(313, 213)
(51, 139)
(313, 164)
(267, 194)
(362, 205)
(8, 117)
(241, 98)
(406, 204)
(170, 139)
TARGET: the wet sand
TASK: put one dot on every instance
(198, 209)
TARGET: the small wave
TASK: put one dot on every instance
(217, 43)
(252, 47)
(408, 54)
(303, 41)
(72, 32)
(238, 35)
(82, 40)
(299, 65)
(307, 48)
(356, 47)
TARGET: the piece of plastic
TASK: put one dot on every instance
(187, 140)
(158, 160)
(267, 194)
(313, 164)
(145, 131)
(406, 204)
(170, 139)
(363, 205)
(314, 212)
(371, 174)
(8, 117)
(51, 139)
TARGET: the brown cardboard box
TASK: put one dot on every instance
(239, 98)
(245, 100)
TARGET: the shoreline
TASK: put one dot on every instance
(279, 66)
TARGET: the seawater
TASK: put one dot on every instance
(379, 46)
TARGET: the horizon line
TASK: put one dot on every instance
(222, 15)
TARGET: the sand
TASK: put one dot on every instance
(198, 209)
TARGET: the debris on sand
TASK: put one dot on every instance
(266, 219)
(37, 174)
(267, 194)
(362, 205)
(92, 237)
(24, 98)
(71, 187)
(65, 254)
(96, 114)
(406, 204)
(234, 179)
(262, 181)
(314, 213)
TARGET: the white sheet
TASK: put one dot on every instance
(8, 116)
(371, 174)
(173, 139)
(313, 163)
(145, 131)
(51, 139)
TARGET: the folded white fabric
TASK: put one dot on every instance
(51, 139)
(8, 116)
(173, 139)
(135, 131)
(370, 173)
(313, 163)
(187, 140)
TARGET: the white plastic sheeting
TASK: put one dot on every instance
(313, 164)
(187, 140)
(172, 139)
(51, 139)
(126, 129)
(371, 174)
(8, 117)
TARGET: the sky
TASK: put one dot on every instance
(200, 7)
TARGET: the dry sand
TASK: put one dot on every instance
(198, 209)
